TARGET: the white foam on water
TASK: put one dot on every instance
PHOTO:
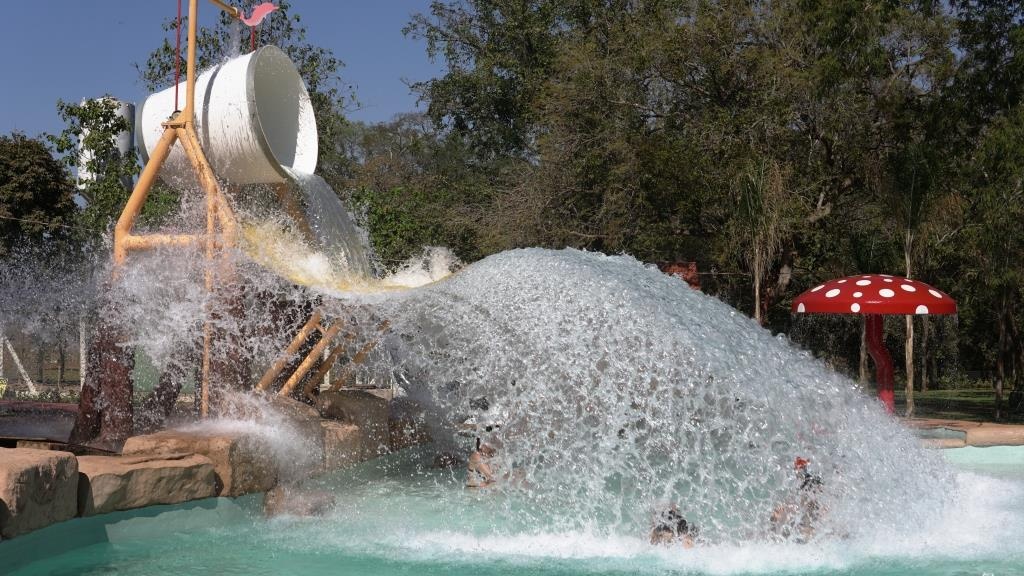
(436, 263)
(617, 388)
(972, 529)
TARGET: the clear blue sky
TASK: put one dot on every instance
(75, 49)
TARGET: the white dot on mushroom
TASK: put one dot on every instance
(922, 309)
(800, 307)
(857, 294)
(832, 293)
(855, 307)
(885, 292)
(908, 288)
(863, 282)
(935, 293)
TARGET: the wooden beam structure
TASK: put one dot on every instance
(311, 325)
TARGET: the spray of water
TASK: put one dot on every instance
(612, 390)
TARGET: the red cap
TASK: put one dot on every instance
(800, 463)
(874, 294)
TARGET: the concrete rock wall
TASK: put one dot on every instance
(39, 487)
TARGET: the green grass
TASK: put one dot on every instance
(973, 404)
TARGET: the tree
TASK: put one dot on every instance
(93, 128)
(499, 53)
(763, 218)
(36, 194)
(410, 184)
(997, 242)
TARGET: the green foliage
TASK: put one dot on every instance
(36, 194)
(93, 128)
(778, 144)
(411, 187)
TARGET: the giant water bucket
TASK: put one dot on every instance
(253, 116)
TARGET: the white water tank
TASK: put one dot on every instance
(253, 116)
(124, 141)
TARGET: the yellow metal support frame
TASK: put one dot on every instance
(221, 227)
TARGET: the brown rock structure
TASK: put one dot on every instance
(109, 483)
(342, 445)
(406, 424)
(298, 437)
(296, 501)
(366, 411)
(105, 407)
(243, 461)
(37, 488)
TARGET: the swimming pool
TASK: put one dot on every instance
(398, 515)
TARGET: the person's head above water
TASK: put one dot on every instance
(485, 449)
(808, 481)
(670, 525)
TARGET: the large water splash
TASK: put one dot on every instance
(619, 389)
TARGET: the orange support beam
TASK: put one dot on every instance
(310, 360)
(293, 348)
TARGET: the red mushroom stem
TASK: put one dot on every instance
(883, 362)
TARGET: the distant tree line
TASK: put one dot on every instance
(776, 143)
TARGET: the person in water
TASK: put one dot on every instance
(801, 513)
(670, 527)
(478, 469)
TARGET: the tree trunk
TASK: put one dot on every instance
(156, 408)
(82, 351)
(757, 298)
(41, 359)
(1001, 358)
(925, 321)
(1015, 351)
(909, 344)
(105, 407)
(61, 363)
(863, 375)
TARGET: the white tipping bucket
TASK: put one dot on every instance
(253, 117)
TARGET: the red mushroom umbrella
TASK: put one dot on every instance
(873, 295)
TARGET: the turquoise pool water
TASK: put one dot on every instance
(398, 515)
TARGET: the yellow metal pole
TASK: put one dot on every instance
(188, 114)
(231, 10)
(310, 359)
(211, 231)
(123, 228)
(293, 348)
(154, 240)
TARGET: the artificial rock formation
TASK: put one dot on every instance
(296, 501)
(364, 410)
(37, 488)
(243, 461)
(342, 447)
(105, 407)
(109, 483)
